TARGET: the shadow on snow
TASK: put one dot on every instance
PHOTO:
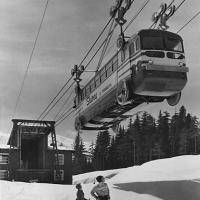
(166, 190)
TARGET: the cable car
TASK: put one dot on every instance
(149, 68)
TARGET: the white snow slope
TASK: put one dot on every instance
(167, 179)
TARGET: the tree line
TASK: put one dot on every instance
(145, 139)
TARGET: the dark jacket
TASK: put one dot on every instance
(80, 195)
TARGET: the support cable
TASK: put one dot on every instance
(111, 32)
(95, 54)
(48, 106)
(96, 41)
(58, 100)
(58, 123)
(144, 5)
(180, 5)
(105, 45)
(64, 114)
(30, 59)
(61, 110)
(188, 22)
(62, 119)
(86, 68)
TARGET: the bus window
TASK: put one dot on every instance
(103, 74)
(109, 71)
(122, 55)
(173, 44)
(83, 94)
(152, 43)
(92, 85)
(87, 90)
(132, 48)
(97, 80)
(137, 44)
(126, 52)
(115, 63)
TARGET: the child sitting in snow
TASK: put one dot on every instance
(80, 194)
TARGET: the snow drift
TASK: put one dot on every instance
(176, 178)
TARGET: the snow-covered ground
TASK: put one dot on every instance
(167, 179)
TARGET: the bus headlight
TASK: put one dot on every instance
(181, 64)
(150, 62)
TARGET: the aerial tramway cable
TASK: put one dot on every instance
(30, 59)
(106, 41)
(49, 105)
(188, 22)
(58, 100)
(68, 114)
(73, 82)
(64, 114)
(110, 33)
(50, 108)
(96, 41)
(61, 110)
(54, 98)
(140, 10)
(58, 123)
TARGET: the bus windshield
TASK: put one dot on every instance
(173, 44)
(152, 42)
(161, 42)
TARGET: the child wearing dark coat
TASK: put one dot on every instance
(80, 194)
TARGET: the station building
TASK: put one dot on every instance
(28, 157)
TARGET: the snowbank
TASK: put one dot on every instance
(177, 168)
(167, 179)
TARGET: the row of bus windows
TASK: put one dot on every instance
(109, 68)
(100, 77)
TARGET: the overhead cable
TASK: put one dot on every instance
(96, 41)
(58, 100)
(48, 106)
(61, 110)
(110, 33)
(188, 22)
(30, 59)
(144, 5)
(58, 123)
(105, 45)
(64, 114)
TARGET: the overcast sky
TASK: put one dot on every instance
(70, 27)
